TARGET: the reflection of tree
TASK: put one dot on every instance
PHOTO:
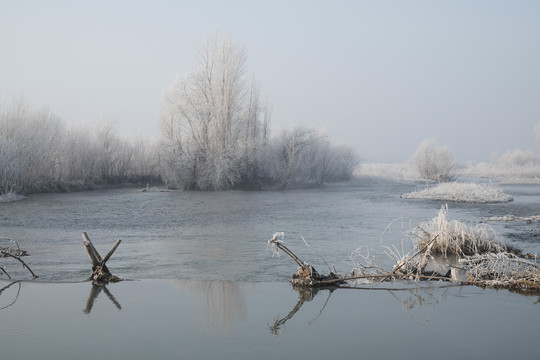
(16, 296)
(221, 303)
(94, 292)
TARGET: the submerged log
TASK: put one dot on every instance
(100, 272)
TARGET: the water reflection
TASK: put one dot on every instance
(16, 297)
(94, 292)
(304, 295)
(220, 304)
(419, 302)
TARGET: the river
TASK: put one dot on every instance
(223, 235)
(200, 283)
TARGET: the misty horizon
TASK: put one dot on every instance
(378, 77)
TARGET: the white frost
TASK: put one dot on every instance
(461, 192)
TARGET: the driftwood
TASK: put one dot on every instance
(100, 272)
(443, 253)
(15, 253)
(306, 276)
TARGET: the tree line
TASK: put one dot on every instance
(39, 153)
(214, 135)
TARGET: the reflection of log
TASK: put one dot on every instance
(304, 294)
(100, 272)
(94, 292)
(16, 296)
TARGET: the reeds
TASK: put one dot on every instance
(454, 237)
(482, 258)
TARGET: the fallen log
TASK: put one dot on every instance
(100, 272)
(308, 277)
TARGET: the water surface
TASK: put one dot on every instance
(223, 235)
(211, 290)
(185, 319)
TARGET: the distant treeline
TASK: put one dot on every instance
(215, 135)
(39, 153)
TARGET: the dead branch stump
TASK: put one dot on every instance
(100, 272)
(306, 276)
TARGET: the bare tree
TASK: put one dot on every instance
(211, 118)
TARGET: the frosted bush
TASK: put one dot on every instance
(449, 237)
(434, 162)
(461, 192)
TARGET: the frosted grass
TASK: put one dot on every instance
(504, 172)
(461, 192)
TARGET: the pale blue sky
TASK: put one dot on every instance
(380, 76)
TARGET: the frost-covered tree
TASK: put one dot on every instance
(433, 161)
(302, 156)
(38, 153)
(212, 121)
(32, 141)
(81, 156)
(145, 160)
(294, 156)
(516, 157)
(11, 166)
(334, 163)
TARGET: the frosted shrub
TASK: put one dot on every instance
(454, 237)
(461, 192)
(434, 162)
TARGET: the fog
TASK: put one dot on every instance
(380, 77)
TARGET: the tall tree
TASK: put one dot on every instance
(212, 120)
